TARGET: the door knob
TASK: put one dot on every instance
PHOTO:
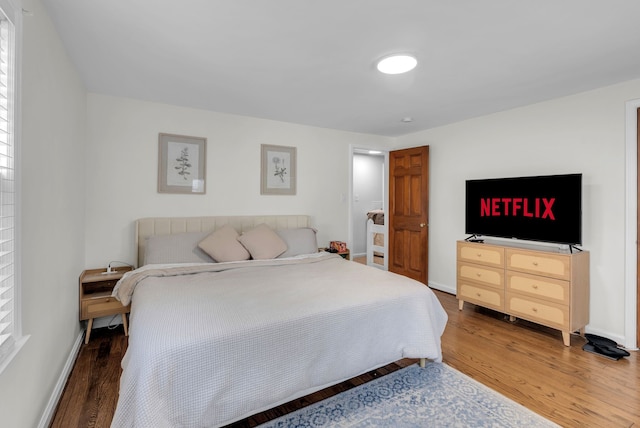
(423, 224)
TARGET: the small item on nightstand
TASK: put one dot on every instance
(111, 271)
(339, 246)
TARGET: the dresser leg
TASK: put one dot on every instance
(460, 304)
(566, 338)
(88, 333)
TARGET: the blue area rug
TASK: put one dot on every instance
(435, 396)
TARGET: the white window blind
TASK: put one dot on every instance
(8, 330)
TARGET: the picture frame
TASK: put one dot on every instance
(182, 162)
(278, 173)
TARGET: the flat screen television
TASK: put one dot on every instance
(542, 208)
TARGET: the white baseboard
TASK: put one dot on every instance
(615, 337)
(442, 287)
(49, 411)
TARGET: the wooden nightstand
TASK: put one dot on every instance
(95, 297)
(344, 254)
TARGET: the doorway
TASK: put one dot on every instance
(414, 262)
(368, 195)
(632, 223)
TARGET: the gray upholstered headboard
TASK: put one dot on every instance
(146, 227)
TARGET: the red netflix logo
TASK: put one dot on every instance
(525, 207)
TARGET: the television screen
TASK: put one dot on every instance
(544, 208)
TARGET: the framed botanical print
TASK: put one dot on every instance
(181, 164)
(278, 170)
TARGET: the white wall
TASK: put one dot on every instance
(122, 168)
(368, 191)
(584, 133)
(53, 136)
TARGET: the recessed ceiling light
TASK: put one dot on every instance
(397, 64)
(407, 119)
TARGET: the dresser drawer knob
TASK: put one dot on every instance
(534, 309)
(534, 286)
(535, 263)
(478, 294)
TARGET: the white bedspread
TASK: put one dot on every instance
(210, 348)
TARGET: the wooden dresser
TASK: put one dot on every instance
(542, 286)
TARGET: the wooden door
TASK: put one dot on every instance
(409, 212)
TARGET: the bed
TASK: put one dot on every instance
(376, 246)
(211, 343)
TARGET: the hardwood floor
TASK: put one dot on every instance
(523, 361)
(90, 396)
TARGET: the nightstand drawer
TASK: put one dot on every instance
(102, 306)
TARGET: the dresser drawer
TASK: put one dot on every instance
(102, 306)
(555, 290)
(481, 253)
(546, 313)
(485, 275)
(483, 296)
(551, 265)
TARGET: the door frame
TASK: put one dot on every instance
(631, 225)
(350, 196)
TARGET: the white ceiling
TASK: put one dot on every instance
(313, 62)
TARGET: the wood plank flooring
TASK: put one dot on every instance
(91, 394)
(523, 361)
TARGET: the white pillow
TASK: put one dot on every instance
(263, 243)
(299, 241)
(222, 244)
(176, 248)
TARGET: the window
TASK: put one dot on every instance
(10, 331)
